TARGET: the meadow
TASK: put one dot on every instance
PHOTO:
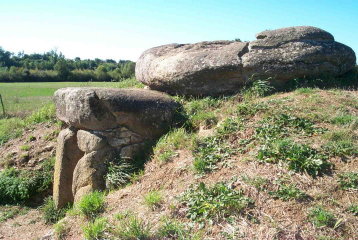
(21, 99)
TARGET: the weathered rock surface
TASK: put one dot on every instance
(89, 173)
(89, 142)
(296, 52)
(223, 67)
(193, 69)
(145, 112)
(105, 124)
(67, 156)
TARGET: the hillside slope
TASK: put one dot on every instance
(243, 167)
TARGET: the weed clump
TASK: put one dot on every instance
(17, 186)
(51, 214)
(214, 203)
(208, 152)
(96, 229)
(348, 180)
(322, 218)
(298, 157)
(286, 192)
(153, 199)
(132, 227)
(91, 205)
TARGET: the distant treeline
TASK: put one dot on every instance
(53, 66)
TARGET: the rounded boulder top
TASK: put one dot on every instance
(143, 111)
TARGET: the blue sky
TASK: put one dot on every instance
(123, 29)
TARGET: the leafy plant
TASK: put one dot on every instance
(298, 157)
(96, 229)
(286, 191)
(20, 185)
(91, 204)
(259, 88)
(208, 152)
(322, 218)
(153, 199)
(348, 180)
(214, 203)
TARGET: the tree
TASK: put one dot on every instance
(63, 69)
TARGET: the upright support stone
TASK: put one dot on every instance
(67, 156)
(89, 173)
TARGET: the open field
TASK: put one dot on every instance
(20, 99)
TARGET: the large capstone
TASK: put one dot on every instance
(224, 67)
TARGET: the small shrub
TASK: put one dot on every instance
(153, 199)
(51, 214)
(96, 229)
(322, 218)
(348, 180)
(298, 157)
(91, 204)
(208, 152)
(214, 203)
(131, 227)
(287, 191)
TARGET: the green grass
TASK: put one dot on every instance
(20, 98)
(50, 213)
(167, 145)
(91, 205)
(153, 199)
(8, 212)
(60, 229)
(174, 229)
(13, 127)
(214, 203)
(96, 229)
(131, 227)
